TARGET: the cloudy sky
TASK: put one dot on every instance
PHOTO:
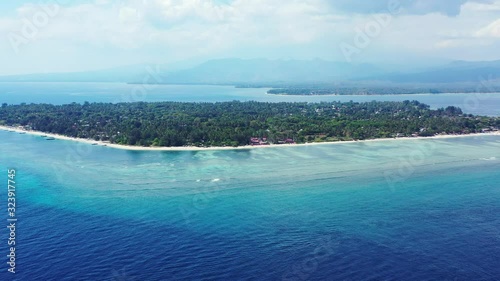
(64, 35)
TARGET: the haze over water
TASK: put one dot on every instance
(64, 93)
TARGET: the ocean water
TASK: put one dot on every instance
(62, 93)
(383, 210)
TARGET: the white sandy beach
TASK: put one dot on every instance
(194, 148)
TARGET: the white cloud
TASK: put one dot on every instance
(482, 7)
(492, 30)
(182, 29)
(102, 2)
(128, 14)
(182, 22)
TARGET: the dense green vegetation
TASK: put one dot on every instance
(377, 88)
(234, 123)
(350, 91)
(301, 91)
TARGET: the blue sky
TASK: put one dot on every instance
(63, 35)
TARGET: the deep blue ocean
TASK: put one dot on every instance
(383, 210)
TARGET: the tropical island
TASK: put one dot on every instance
(372, 89)
(233, 124)
(339, 91)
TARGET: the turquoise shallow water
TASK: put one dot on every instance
(386, 210)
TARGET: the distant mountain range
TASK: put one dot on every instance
(271, 72)
(238, 71)
(118, 74)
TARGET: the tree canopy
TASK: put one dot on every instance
(235, 123)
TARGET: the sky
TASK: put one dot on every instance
(63, 36)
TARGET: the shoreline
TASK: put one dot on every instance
(195, 148)
(367, 95)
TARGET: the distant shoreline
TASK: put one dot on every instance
(195, 148)
(348, 95)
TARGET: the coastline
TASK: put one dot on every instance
(348, 95)
(194, 148)
(403, 94)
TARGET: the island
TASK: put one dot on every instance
(380, 90)
(236, 124)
